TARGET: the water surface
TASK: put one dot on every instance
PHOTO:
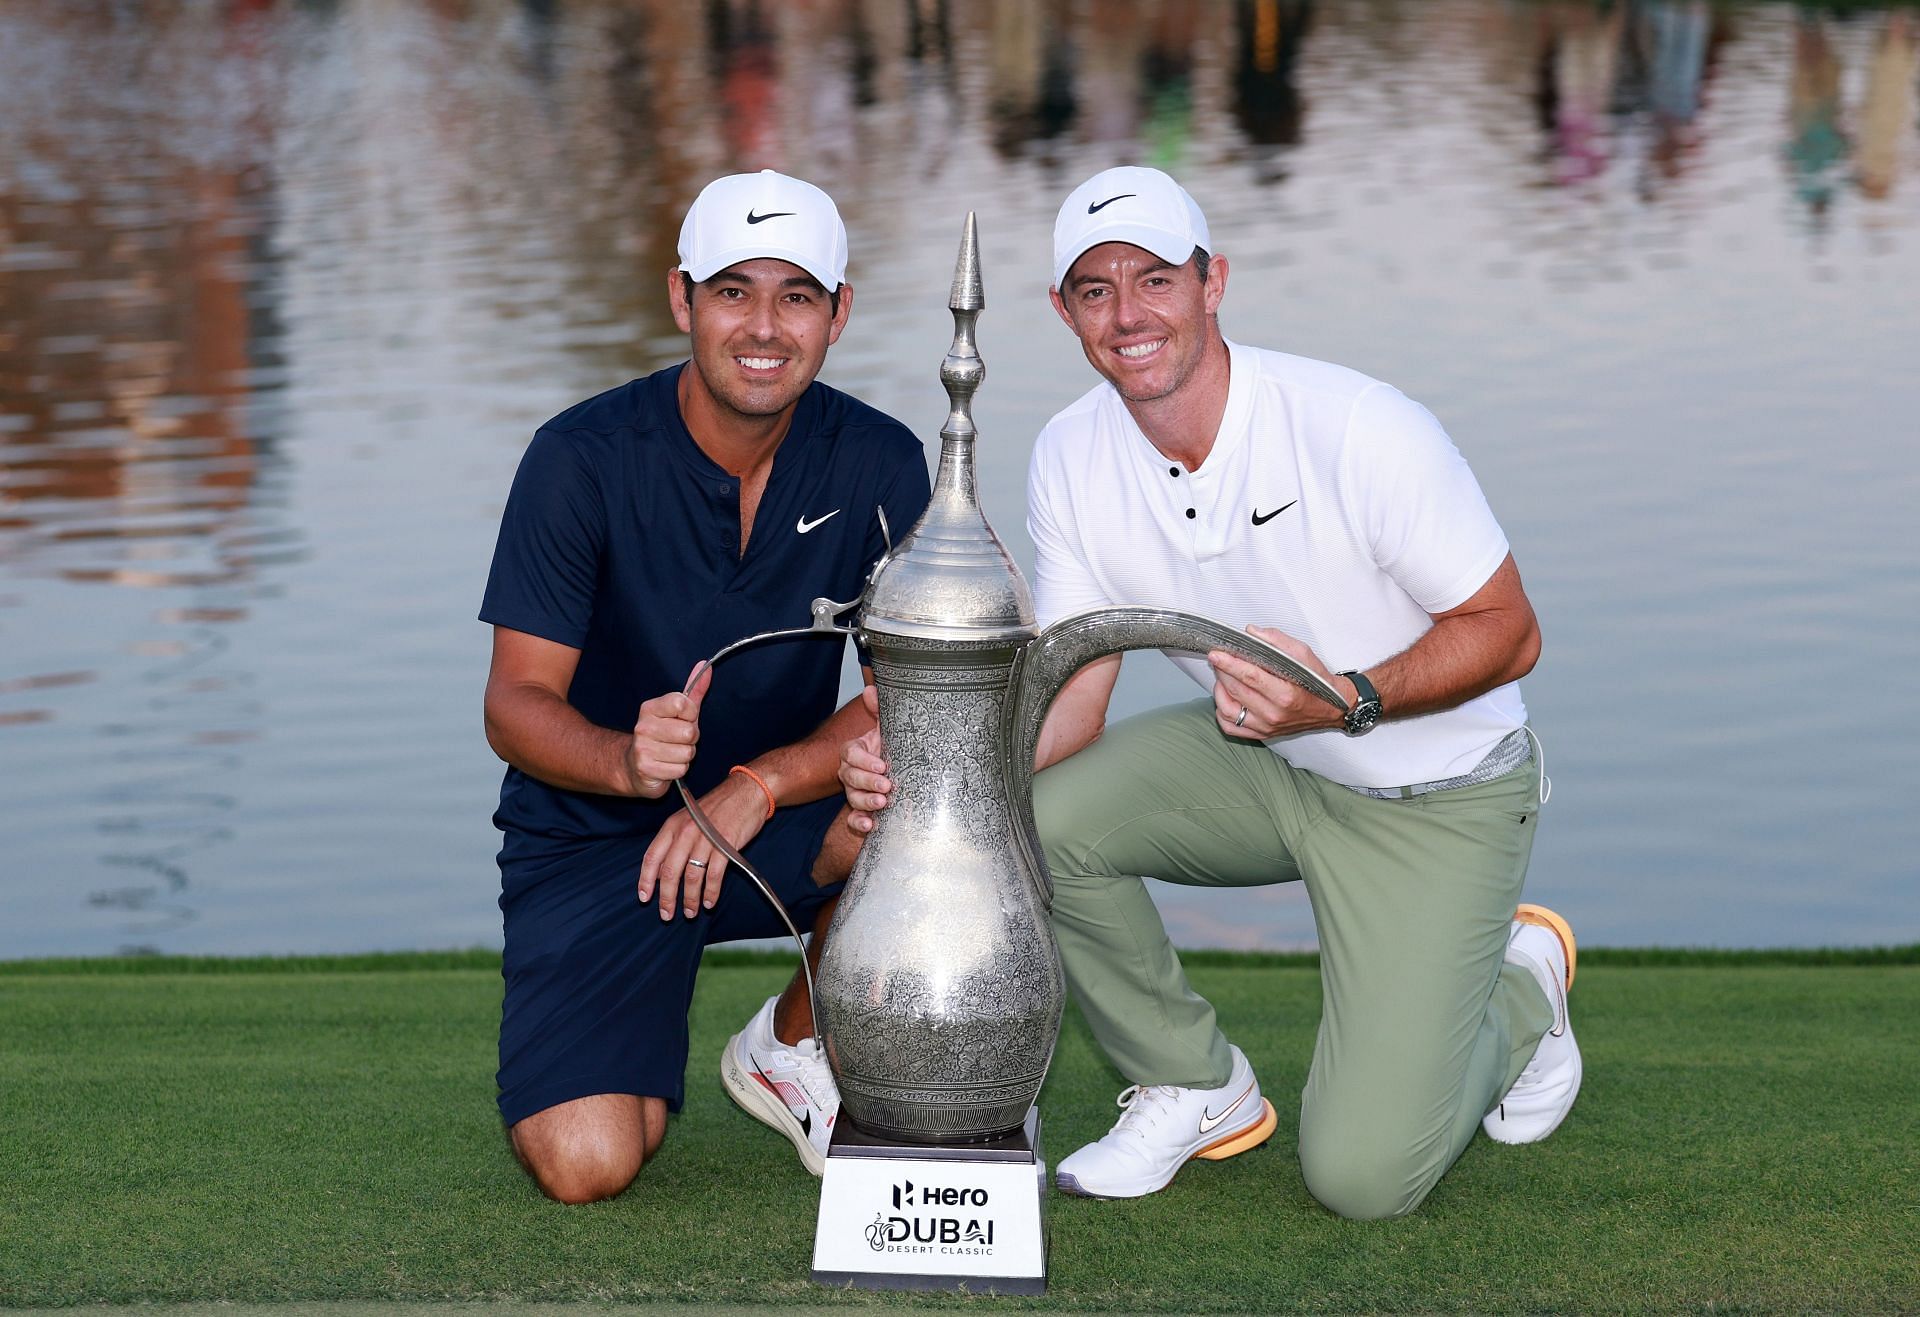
(284, 289)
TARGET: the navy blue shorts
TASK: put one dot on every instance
(598, 985)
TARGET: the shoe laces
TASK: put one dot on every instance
(811, 1073)
(1142, 1106)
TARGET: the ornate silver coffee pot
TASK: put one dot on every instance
(939, 992)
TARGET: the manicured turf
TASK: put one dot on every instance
(1748, 1138)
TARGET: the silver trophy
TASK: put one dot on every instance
(939, 992)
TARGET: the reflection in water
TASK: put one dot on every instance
(133, 302)
(1267, 102)
(1583, 51)
(746, 75)
(268, 351)
(1621, 79)
(1677, 44)
(929, 35)
(1818, 145)
(1030, 77)
(1166, 83)
(1886, 111)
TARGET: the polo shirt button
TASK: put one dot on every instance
(726, 489)
(1174, 471)
(1191, 514)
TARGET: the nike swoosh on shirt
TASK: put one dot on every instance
(1259, 520)
(1209, 1122)
(803, 525)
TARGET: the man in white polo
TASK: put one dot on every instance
(1330, 515)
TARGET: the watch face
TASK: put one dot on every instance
(1362, 717)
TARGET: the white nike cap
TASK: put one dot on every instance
(744, 217)
(1130, 204)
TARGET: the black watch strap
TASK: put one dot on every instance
(1366, 709)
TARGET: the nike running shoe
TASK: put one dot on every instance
(1162, 1128)
(786, 1086)
(1541, 942)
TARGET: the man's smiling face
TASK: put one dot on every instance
(1144, 324)
(760, 332)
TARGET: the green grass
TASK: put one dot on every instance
(257, 1131)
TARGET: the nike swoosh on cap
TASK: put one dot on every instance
(803, 525)
(1094, 208)
(1209, 1121)
(772, 214)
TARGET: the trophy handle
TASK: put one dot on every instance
(824, 611)
(1049, 661)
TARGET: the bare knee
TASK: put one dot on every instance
(591, 1148)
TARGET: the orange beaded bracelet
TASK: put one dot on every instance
(757, 781)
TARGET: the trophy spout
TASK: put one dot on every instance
(1047, 664)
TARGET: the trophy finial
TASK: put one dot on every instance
(951, 578)
(962, 370)
(969, 293)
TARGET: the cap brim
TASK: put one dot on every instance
(1169, 247)
(705, 270)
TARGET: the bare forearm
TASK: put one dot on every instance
(1064, 734)
(1459, 658)
(545, 737)
(808, 769)
(1079, 714)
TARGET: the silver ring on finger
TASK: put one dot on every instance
(1241, 721)
(696, 864)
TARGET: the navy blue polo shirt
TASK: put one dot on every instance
(621, 539)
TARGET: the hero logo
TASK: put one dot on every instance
(924, 1234)
(932, 1195)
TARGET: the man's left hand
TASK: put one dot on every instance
(1251, 704)
(682, 867)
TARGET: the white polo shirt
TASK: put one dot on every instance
(1332, 507)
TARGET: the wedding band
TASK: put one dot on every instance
(1241, 721)
(696, 864)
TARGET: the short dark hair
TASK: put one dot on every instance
(833, 298)
(1201, 262)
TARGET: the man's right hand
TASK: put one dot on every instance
(863, 771)
(664, 737)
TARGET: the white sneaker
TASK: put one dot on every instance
(1163, 1128)
(788, 1087)
(1541, 942)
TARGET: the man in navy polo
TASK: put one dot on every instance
(646, 528)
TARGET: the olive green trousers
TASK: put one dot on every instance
(1423, 1028)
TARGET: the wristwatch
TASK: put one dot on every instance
(1366, 709)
